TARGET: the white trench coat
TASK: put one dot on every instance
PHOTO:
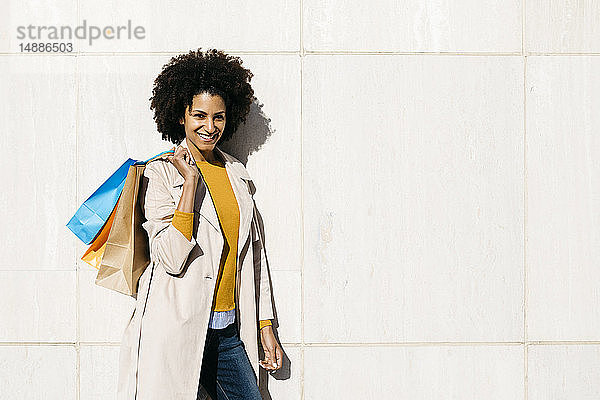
(162, 347)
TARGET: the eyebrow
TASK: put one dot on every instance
(218, 112)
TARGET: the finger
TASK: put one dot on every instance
(180, 153)
(279, 357)
(268, 362)
(266, 365)
(272, 358)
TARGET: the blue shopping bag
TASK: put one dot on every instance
(94, 212)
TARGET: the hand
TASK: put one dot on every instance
(273, 352)
(183, 161)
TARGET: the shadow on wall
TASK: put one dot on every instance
(285, 371)
(250, 136)
(248, 139)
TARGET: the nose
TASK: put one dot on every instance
(210, 126)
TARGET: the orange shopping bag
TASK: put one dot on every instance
(94, 253)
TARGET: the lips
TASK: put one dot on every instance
(207, 138)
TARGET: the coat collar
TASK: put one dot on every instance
(240, 183)
(234, 168)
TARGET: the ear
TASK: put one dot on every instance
(182, 119)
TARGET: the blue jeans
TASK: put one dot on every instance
(226, 373)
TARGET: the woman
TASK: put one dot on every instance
(206, 294)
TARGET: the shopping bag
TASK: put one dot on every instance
(93, 254)
(94, 212)
(126, 254)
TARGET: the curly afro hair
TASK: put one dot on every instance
(187, 75)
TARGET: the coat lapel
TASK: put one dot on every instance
(239, 178)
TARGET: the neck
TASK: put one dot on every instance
(201, 155)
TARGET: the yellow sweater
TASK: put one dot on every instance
(215, 176)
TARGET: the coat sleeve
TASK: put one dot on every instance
(168, 246)
(265, 301)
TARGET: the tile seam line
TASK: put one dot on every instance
(452, 53)
(339, 344)
(525, 199)
(144, 53)
(175, 52)
(139, 53)
(77, 272)
(481, 344)
(302, 343)
(308, 52)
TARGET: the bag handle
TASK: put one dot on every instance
(159, 155)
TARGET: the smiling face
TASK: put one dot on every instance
(204, 122)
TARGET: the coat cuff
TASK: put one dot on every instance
(171, 248)
(264, 322)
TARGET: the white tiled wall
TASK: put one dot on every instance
(428, 174)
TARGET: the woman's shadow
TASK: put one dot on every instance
(248, 139)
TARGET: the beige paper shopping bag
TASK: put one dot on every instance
(127, 253)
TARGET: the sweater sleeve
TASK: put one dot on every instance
(184, 222)
(264, 322)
